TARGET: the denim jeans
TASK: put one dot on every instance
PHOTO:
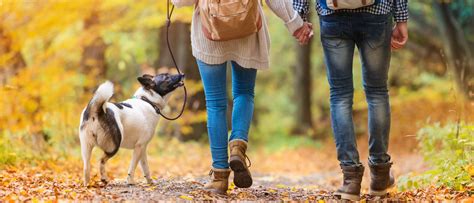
(340, 33)
(215, 90)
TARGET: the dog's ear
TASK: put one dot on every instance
(146, 81)
(148, 76)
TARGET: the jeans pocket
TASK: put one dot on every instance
(331, 33)
(377, 33)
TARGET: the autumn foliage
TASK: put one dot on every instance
(53, 54)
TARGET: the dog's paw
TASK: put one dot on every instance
(104, 180)
(130, 181)
(149, 181)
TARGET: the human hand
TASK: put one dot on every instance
(399, 35)
(304, 33)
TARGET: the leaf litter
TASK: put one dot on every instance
(52, 183)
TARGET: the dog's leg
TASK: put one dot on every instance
(137, 154)
(86, 149)
(145, 168)
(103, 160)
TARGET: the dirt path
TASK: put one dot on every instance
(294, 176)
(274, 186)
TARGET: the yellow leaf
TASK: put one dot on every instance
(280, 186)
(186, 197)
(231, 186)
(470, 170)
(151, 188)
(73, 195)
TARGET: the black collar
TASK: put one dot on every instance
(157, 109)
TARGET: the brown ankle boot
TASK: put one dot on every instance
(242, 176)
(350, 189)
(380, 179)
(219, 182)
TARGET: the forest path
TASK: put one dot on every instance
(291, 175)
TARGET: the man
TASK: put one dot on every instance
(370, 29)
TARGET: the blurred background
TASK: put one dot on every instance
(54, 53)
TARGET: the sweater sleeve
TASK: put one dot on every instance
(181, 3)
(284, 10)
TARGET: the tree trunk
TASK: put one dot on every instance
(456, 48)
(15, 63)
(10, 68)
(302, 97)
(181, 47)
(93, 55)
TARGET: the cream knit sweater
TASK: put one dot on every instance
(249, 52)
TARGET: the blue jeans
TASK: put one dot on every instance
(215, 90)
(340, 33)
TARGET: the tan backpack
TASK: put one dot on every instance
(224, 20)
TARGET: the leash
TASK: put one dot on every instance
(169, 13)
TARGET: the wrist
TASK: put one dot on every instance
(401, 24)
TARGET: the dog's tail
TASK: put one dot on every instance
(101, 97)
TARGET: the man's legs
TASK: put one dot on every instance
(338, 39)
(338, 48)
(375, 52)
(375, 56)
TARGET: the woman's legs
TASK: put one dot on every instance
(243, 86)
(214, 80)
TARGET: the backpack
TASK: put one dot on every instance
(224, 20)
(346, 4)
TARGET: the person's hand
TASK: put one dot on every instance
(304, 33)
(399, 35)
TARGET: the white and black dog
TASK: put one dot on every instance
(129, 124)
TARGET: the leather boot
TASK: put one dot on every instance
(350, 189)
(219, 182)
(380, 179)
(237, 162)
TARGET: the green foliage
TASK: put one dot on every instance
(14, 151)
(7, 157)
(449, 152)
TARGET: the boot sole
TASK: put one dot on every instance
(217, 192)
(347, 196)
(242, 177)
(380, 192)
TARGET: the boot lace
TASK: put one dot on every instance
(249, 162)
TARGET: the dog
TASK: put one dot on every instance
(129, 124)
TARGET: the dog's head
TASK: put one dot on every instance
(162, 83)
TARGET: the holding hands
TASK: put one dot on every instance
(304, 33)
(398, 41)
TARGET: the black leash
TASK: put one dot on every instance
(168, 24)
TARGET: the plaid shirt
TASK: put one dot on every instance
(399, 8)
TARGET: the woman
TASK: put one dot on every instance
(246, 55)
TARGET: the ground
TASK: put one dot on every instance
(180, 172)
(180, 169)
